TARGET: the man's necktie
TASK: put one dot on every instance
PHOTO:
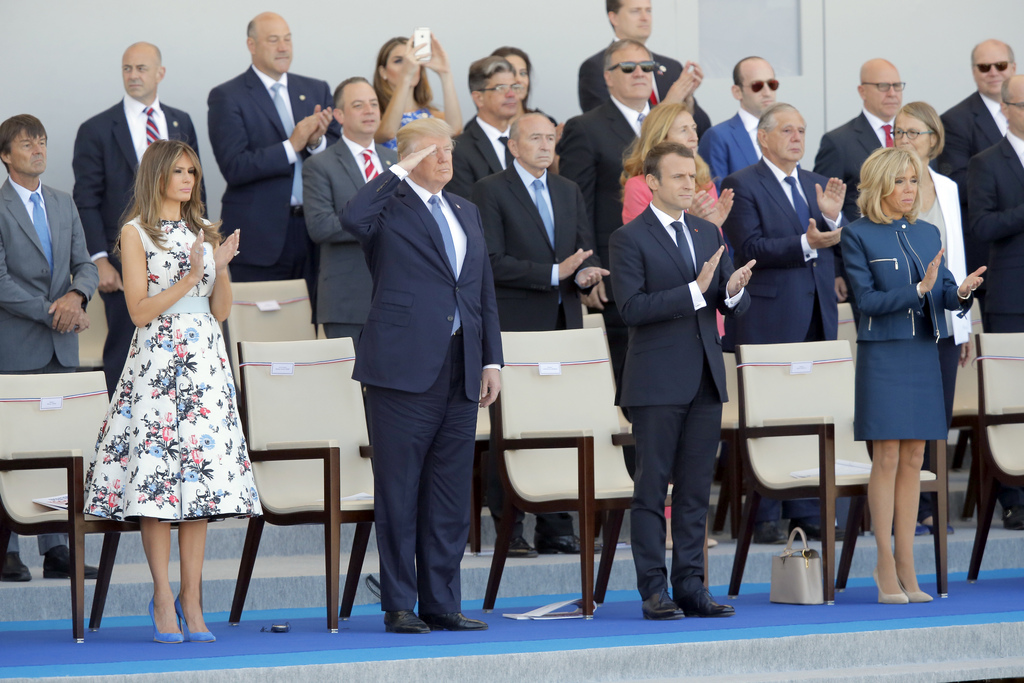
(653, 99)
(152, 133)
(449, 249)
(289, 126)
(803, 214)
(888, 135)
(542, 208)
(369, 170)
(42, 228)
(508, 154)
(640, 118)
(684, 250)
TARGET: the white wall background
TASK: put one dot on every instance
(62, 57)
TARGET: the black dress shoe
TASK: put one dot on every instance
(453, 621)
(770, 533)
(699, 603)
(568, 545)
(1013, 518)
(659, 607)
(813, 530)
(404, 621)
(15, 569)
(57, 564)
(520, 548)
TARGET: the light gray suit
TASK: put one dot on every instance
(329, 180)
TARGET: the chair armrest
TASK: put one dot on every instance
(292, 445)
(1011, 415)
(294, 450)
(623, 439)
(366, 451)
(40, 460)
(801, 428)
(539, 440)
(556, 434)
(809, 420)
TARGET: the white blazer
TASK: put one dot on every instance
(948, 197)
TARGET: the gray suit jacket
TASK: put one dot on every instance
(329, 180)
(27, 340)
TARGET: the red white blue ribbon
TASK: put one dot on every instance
(66, 398)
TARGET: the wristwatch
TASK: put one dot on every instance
(85, 299)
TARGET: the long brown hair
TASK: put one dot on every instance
(654, 130)
(421, 93)
(150, 184)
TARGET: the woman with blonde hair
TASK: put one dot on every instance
(171, 447)
(896, 268)
(675, 123)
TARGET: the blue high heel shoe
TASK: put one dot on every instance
(163, 637)
(198, 636)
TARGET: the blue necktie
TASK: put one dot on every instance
(542, 207)
(684, 250)
(289, 126)
(803, 214)
(42, 228)
(449, 249)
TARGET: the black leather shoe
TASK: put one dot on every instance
(699, 603)
(568, 545)
(404, 621)
(453, 621)
(770, 533)
(813, 530)
(659, 607)
(520, 548)
(57, 564)
(1013, 518)
(15, 569)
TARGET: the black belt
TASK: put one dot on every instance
(296, 211)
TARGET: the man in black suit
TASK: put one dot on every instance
(671, 273)
(482, 149)
(590, 154)
(537, 232)
(108, 149)
(974, 125)
(995, 188)
(632, 20)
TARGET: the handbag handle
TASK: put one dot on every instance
(792, 537)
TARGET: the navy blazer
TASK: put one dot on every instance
(668, 339)
(473, 158)
(995, 187)
(408, 330)
(727, 148)
(246, 134)
(884, 264)
(104, 164)
(763, 225)
(841, 154)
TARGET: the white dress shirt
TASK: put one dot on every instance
(357, 152)
(135, 114)
(996, 109)
(493, 134)
(750, 125)
(25, 195)
(1017, 144)
(632, 115)
(876, 125)
(781, 177)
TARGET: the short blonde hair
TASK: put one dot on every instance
(414, 131)
(878, 179)
(926, 114)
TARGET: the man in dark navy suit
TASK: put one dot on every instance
(671, 273)
(108, 149)
(263, 124)
(430, 351)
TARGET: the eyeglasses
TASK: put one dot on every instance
(884, 87)
(629, 67)
(504, 88)
(985, 68)
(757, 86)
(1019, 105)
(911, 134)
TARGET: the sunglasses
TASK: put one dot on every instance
(630, 67)
(985, 68)
(757, 86)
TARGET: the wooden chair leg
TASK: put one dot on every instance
(971, 496)
(853, 520)
(355, 567)
(739, 562)
(99, 596)
(586, 521)
(5, 540)
(508, 518)
(736, 487)
(987, 495)
(245, 567)
(828, 546)
(612, 528)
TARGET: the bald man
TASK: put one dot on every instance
(108, 149)
(263, 125)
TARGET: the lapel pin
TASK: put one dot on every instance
(302, 98)
(174, 123)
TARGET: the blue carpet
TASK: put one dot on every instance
(123, 645)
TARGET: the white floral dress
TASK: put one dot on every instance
(171, 445)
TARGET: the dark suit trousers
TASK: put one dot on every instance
(297, 261)
(674, 443)
(423, 464)
(120, 330)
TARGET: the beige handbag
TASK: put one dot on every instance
(796, 574)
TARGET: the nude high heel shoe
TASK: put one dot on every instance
(889, 598)
(914, 596)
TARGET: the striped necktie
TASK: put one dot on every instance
(369, 170)
(152, 132)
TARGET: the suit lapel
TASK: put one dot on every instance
(525, 198)
(1012, 160)
(984, 121)
(174, 131)
(865, 134)
(349, 164)
(261, 99)
(812, 199)
(565, 228)
(17, 209)
(771, 185)
(484, 146)
(297, 98)
(660, 234)
(474, 236)
(60, 236)
(619, 125)
(742, 140)
(123, 136)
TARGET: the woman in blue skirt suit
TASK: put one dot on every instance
(903, 288)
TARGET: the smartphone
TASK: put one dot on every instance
(421, 44)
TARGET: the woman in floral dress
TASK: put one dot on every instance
(171, 446)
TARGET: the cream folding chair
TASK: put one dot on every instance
(303, 418)
(796, 415)
(848, 328)
(557, 429)
(965, 419)
(48, 428)
(90, 342)
(269, 311)
(1000, 428)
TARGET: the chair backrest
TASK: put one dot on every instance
(789, 383)
(593, 321)
(580, 397)
(40, 413)
(269, 311)
(303, 391)
(90, 342)
(848, 328)
(1001, 379)
(731, 408)
(965, 397)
